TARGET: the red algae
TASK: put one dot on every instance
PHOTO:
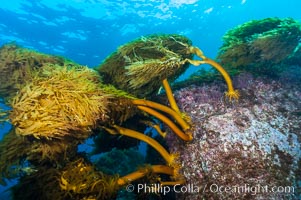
(248, 149)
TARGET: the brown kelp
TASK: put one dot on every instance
(260, 46)
(140, 66)
(59, 100)
(17, 64)
(62, 104)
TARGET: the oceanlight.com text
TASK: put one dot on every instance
(253, 190)
(213, 188)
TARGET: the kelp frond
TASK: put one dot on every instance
(12, 149)
(139, 66)
(116, 93)
(3, 115)
(144, 72)
(80, 178)
(17, 65)
(57, 101)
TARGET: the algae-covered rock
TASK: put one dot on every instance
(17, 65)
(259, 45)
(247, 146)
(139, 67)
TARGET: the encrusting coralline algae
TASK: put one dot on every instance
(243, 145)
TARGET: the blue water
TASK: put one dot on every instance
(87, 31)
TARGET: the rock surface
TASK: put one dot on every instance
(248, 149)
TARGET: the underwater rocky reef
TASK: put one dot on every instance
(249, 146)
(228, 133)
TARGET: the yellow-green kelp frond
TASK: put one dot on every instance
(59, 100)
(261, 46)
(154, 46)
(17, 64)
(15, 150)
(116, 93)
(80, 178)
(120, 106)
(139, 66)
(141, 73)
(52, 152)
(42, 184)
(12, 149)
(3, 116)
